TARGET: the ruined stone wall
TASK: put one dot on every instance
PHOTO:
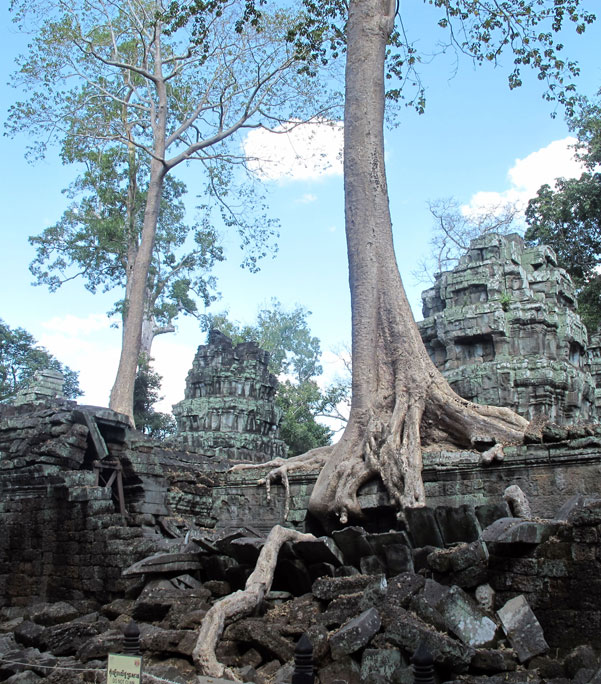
(63, 535)
(229, 406)
(503, 329)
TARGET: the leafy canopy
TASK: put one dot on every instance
(21, 357)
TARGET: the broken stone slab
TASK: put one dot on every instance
(466, 619)
(321, 550)
(345, 670)
(65, 639)
(488, 513)
(423, 527)
(327, 588)
(518, 531)
(399, 592)
(522, 628)
(165, 562)
(384, 666)
(355, 634)
(52, 613)
(246, 550)
(380, 540)
(458, 557)
(262, 635)
(372, 565)
(581, 510)
(353, 543)
(458, 523)
(407, 631)
(494, 660)
(223, 541)
(399, 558)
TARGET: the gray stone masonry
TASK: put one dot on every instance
(503, 329)
(228, 409)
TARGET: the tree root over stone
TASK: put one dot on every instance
(240, 603)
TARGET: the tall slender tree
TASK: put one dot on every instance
(147, 75)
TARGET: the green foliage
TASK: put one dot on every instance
(99, 234)
(146, 393)
(21, 357)
(480, 29)
(284, 334)
(300, 404)
(567, 217)
(294, 353)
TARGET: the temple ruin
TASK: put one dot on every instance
(503, 329)
(101, 525)
(229, 406)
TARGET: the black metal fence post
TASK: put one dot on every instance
(423, 665)
(303, 662)
(131, 639)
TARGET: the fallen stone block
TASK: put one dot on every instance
(493, 661)
(408, 632)
(384, 666)
(522, 629)
(458, 523)
(466, 619)
(423, 527)
(322, 550)
(165, 563)
(327, 588)
(352, 542)
(344, 670)
(355, 634)
(259, 634)
(517, 531)
(52, 613)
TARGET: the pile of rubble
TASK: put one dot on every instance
(365, 600)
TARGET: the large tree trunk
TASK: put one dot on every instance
(123, 389)
(400, 401)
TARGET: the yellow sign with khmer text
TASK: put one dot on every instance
(124, 669)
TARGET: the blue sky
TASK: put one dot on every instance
(475, 137)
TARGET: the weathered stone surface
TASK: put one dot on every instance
(229, 407)
(29, 633)
(408, 632)
(493, 660)
(344, 670)
(353, 543)
(322, 550)
(62, 640)
(522, 628)
(423, 527)
(166, 563)
(327, 588)
(385, 666)
(503, 329)
(355, 634)
(262, 636)
(466, 619)
(52, 613)
(517, 531)
(399, 593)
(457, 523)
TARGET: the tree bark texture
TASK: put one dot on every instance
(400, 401)
(122, 393)
(240, 603)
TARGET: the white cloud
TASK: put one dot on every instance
(76, 325)
(528, 174)
(302, 152)
(307, 198)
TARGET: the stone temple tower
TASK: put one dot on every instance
(503, 329)
(229, 410)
